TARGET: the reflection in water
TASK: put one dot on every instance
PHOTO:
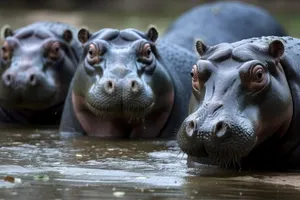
(91, 167)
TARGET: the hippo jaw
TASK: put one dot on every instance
(122, 86)
(237, 104)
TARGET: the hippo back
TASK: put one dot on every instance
(178, 61)
(214, 23)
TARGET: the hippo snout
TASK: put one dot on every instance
(223, 138)
(128, 96)
(129, 86)
(219, 129)
(11, 79)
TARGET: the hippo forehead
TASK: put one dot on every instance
(38, 33)
(32, 39)
(241, 53)
(119, 37)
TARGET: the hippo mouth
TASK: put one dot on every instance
(224, 155)
(132, 114)
(228, 153)
(20, 101)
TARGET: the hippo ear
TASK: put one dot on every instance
(276, 49)
(201, 47)
(152, 34)
(68, 35)
(83, 35)
(6, 31)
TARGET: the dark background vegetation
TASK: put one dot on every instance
(96, 14)
(138, 5)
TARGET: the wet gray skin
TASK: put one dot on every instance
(91, 168)
(37, 64)
(241, 105)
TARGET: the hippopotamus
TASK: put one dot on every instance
(218, 22)
(244, 109)
(37, 64)
(133, 84)
(127, 86)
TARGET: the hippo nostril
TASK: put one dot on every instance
(190, 128)
(219, 126)
(32, 80)
(109, 86)
(220, 129)
(134, 86)
(7, 79)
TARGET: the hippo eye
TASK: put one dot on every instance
(258, 73)
(194, 74)
(92, 51)
(53, 52)
(6, 52)
(93, 54)
(146, 52)
(55, 46)
(257, 78)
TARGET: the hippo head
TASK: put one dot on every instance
(121, 88)
(240, 99)
(36, 68)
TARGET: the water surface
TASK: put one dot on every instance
(51, 167)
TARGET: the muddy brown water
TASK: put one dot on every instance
(90, 168)
(49, 167)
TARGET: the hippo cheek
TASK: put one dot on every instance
(126, 98)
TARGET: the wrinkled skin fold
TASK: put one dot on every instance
(243, 110)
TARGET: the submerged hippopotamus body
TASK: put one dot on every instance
(218, 22)
(128, 86)
(244, 108)
(37, 64)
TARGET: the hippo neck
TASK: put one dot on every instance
(47, 116)
(291, 139)
(179, 69)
